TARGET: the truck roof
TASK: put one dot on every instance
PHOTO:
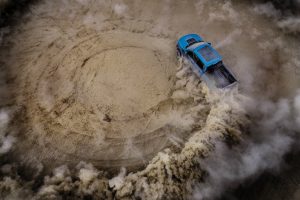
(204, 51)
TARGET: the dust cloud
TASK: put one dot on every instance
(271, 138)
(94, 103)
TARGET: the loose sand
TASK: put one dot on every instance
(99, 82)
(102, 96)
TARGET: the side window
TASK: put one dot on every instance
(196, 59)
(190, 54)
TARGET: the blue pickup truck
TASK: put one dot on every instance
(206, 61)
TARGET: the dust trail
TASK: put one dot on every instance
(229, 39)
(171, 175)
(271, 137)
(290, 25)
(6, 140)
(286, 21)
(78, 104)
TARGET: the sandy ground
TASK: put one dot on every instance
(99, 82)
(95, 79)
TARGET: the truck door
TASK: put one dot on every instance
(196, 61)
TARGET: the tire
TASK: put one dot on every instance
(178, 52)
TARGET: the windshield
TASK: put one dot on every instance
(208, 53)
(190, 42)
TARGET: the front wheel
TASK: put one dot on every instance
(178, 52)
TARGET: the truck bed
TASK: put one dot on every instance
(220, 76)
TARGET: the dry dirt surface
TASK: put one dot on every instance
(98, 82)
(103, 96)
